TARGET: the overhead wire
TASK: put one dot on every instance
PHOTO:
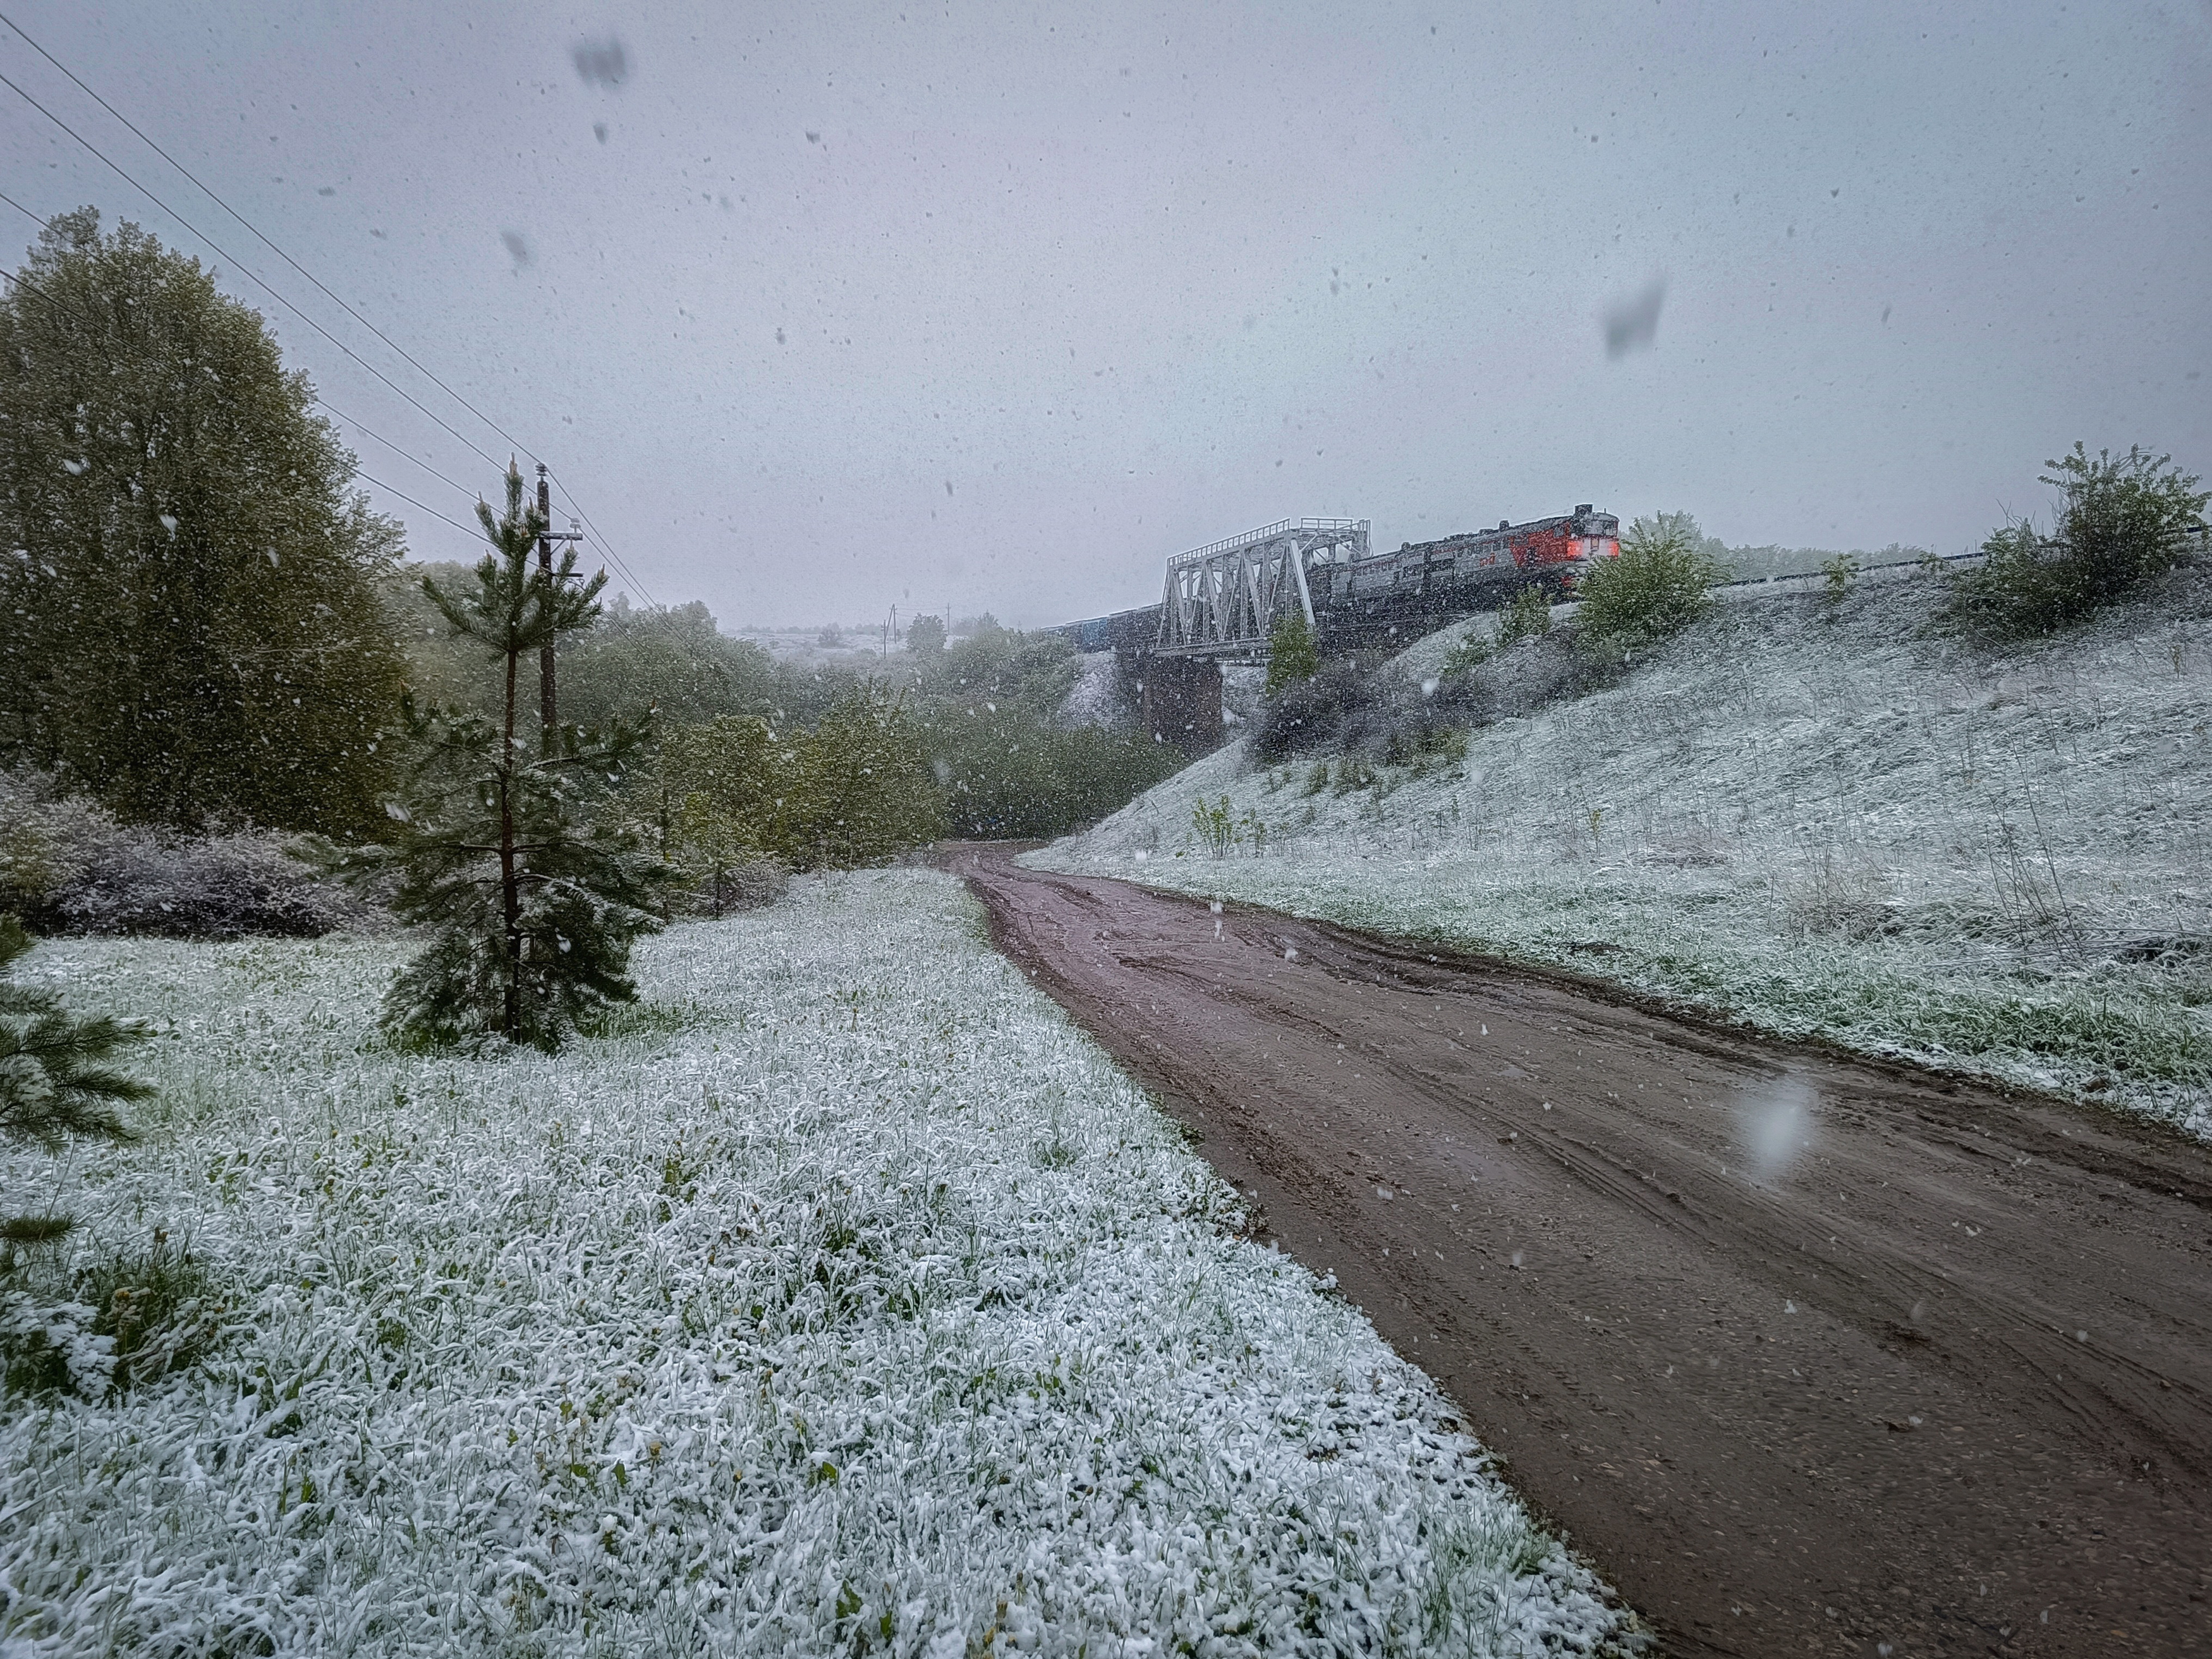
(359, 472)
(210, 193)
(620, 564)
(242, 267)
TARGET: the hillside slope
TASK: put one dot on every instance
(1818, 819)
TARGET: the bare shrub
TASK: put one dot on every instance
(66, 865)
(1838, 894)
(217, 887)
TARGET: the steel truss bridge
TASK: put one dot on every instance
(1224, 599)
(1221, 603)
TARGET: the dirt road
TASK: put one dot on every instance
(1809, 1357)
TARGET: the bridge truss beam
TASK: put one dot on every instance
(1221, 601)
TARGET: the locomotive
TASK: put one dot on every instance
(1426, 584)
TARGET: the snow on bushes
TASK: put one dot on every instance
(66, 865)
(840, 1297)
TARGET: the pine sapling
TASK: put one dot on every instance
(54, 1080)
(534, 898)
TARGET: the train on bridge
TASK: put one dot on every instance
(1221, 602)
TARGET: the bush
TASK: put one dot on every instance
(1474, 649)
(1292, 653)
(66, 865)
(1353, 706)
(1527, 617)
(1659, 583)
(216, 887)
(2121, 521)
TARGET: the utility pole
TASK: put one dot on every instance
(548, 713)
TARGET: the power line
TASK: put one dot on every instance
(404, 455)
(471, 529)
(20, 208)
(629, 575)
(358, 472)
(61, 305)
(240, 264)
(576, 507)
(363, 427)
(210, 194)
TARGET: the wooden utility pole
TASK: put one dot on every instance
(548, 711)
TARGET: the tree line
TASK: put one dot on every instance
(207, 624)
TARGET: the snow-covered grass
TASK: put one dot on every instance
(1819, 820)
(846, 1299)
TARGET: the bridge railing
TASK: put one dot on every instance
(1265, 532)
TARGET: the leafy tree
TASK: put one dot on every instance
(1292, 653)
(534, 904)
(191, 584)
(857, 788)
(2121, 521)
(54, 1080)
(1659, 583)
(720, 797)
(672, 660)
(925, 636)
(1013, 774)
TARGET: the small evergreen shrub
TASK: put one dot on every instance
(506, 847)
(55, 1080)
(1474, 649)
(1659, 583)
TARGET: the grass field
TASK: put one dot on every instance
(842, 1299)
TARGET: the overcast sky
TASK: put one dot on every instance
(823, 308)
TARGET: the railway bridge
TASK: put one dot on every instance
(1221, 602)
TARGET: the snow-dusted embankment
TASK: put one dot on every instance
(1813, 819)
(848, 1300)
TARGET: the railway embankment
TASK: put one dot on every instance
(1816, 817)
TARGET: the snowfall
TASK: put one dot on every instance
(841, 1298)
(1819, 820)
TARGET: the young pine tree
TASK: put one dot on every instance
(535, 902)
(53, 1078)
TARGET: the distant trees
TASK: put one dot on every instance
(534, 900)
(191, 585)
(2121, 521)
(925, 636)
(674, 661)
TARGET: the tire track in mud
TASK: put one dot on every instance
(1809, 1355)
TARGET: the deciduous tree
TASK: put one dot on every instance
(190, 577)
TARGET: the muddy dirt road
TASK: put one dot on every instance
(1809, 1357)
